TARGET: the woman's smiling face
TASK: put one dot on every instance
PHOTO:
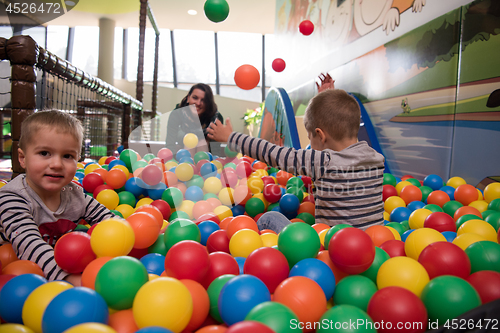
(197, 98)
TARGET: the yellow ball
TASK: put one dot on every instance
(261, 197)
(15, 328)
(80, 165)
(269, 239)
(393, 202)
(125, 210)
(102, 160)
(455, 182)
(478, 227)
(417, 218)
(322, 235)
(218, 165)
(90, 168)
(480, 205)
(464, 240)
(226, 196)
(244, 242)
(184, 172)
(144, 202)
(108, 198)
(161, 296)
(152, 276)
(37, 302)
(479, 195)
(90, 328)
(387, 216)
(212, 185)
(403, 272)
(418, 240)
(401, 185)
(256, 185)
(222, 212)
(187, 207)
(112, 238)
(396, 234)
(492, 192)
(190, 140)
(260, 173)
(123, 168)
(170, 164)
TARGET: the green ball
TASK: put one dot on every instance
(230, 165)
(296, 182)
(389, 180)
(119, 280)
(487, 212)
(127, 198)
(433, 208)
(216, 10)
(414, 181)
(173, 196)
(451, 207)
(464, 218)
(139, 164)
(380, 257)
(271, 206)
(105, 167)
(158, 246)
(227, 151)
(180, 230)
(298, 241)
(201, 155)
(426, 190)
(340, 314)
(81, 227)
(275, 315)
(354, 290)
(210, 195)
(494, 220)
(484, 256)
(447, 297)
(178, 215)
(273, 170)
(254, 206)
(307, 218)
(213, 294)
(297, 191)
(332, 231)
(196, 181)
(129, 157)
(117, 213)
(406, 225)
(494, 205)
(148, 157)
(397, 226)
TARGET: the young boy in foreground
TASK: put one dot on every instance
(39, 207)
(347, 174)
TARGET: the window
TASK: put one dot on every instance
(37, 33)
(57, 40)
(86, 49)
(118, 56)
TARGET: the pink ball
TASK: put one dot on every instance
(229, 178)
(151, 174)
(220, 263)
(243, 169)
(200, 208)
(441, 222)
(165, 155)
(269, 265)
(487, 285)
(351, 250)
(73, 252)
(278, 65)
(444, 258)
(187, 260)
(394, 248)
(306, 27)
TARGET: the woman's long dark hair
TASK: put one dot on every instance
(210, 106)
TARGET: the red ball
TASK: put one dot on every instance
(411, 193)
(388, 191)
(268, 180)
(272, 193)
(307, 182)
(465, 194)
(243, 169)
(394, 248)
(278, 65)
(163, 207)
(351, 250)
(405, 177)
(229, 178)
(246, 77)
(269, 265)
(218, 241)
(91, 181)
(306, 27)
(187, 260)
(208, 217)
(73, 252)
(221, 263)
(101, 188)
(395, 306)
(487, 285)
(109, 159)
(437, 198)
(444, 258)
(248, 326)
(441, 222)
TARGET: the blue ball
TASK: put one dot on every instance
(154, 329)
(206, 229)
(208, 170)
(317, 271)
(72, 307)
(120, 148)
(433, 181)
(240, 295)
(289, 203)
(238, 210)
(400, 214)
(154, 263)
(186, 159)
(406, 233)
(194, 193)
(241, 263)
(449, 235)
(115, 163)
(155, 192)
(414, 205)
(182, 153)
(449, 190)
(79, 174)
(14, 293)
(398, 180)
(210, 156)
(136, 186)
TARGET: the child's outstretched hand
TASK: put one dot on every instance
(217, 131)
(326, 82)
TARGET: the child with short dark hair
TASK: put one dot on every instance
(347, 174)
(39, 207)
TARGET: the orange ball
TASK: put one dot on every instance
(241, 194)
(123, 321)
(7, 254)
(19, 267)
(324, 256)
(465, 194)
(170, 177)
(116, 178)
(438, 198)
(282, 177)
(267, 231)
(102, 172)
(90, 272)
(146, 229)
(214, 202)
(307, 207)
(259, 165)
(182, 187)
(241, 222)
(212, 329)
(467, 210)
(201, 304)
(320, 227)
(411, 193)
(379, 234)
(246, 77)
(153, 210)
(223, 224)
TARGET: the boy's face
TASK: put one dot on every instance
(50, 161)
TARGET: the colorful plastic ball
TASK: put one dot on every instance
(160, 296)
(298, 241)
(480, 205)
(218, 241)
(465, 194)
(73, 252)
(388, 191)
(410, 193)
(91, 181)
(379, 234)
(116, 178)
(255, 206)
(90, 328)
(351, 250)
(165, 155)
(184, 172)
(449, 190)
(306, 27)
(449, 235)
(216, 10)
(397, 306)
(487, 284)
(400, 214)
(154, 263)
(414, 205)
(238, 210)
(440, 221)
(127, 198)
(381, 256)
(447, 297)
(206, 229)
(317, 271)
(451, 207)
(289, 203)
(90, 273)
(15, 328)
(221, 263)
(403, 272)
(466, 210)
(492, 192)
(71, 307)
(484, 255)
(246, 77)
(389, 179)
(438, 197)
(239, 295)
(272, 193)
(136, 186)
(179, 230)
(354, 290)
(194, 193)
(152, 174)
(201, 304)
(14, 294)
(332, 231)
(187, 260)
(108, 198)
(455, 182)
(163, 207)
(465, 240)
(173, 196)
(214, 291)
(420, 239)
(244, 242)
(493, 219)
(278, 65)
(190, 140)
(394, 248)
(269, 265)
(478, 227)
(393, 202)
(417, 218)
(433, 181)
(222, 212)
(444, 258)
(112, 238)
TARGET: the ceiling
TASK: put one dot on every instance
(255, 16)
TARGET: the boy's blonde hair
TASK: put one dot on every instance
(54, 119)
(335, 112)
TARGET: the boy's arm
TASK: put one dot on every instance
(95, 211)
